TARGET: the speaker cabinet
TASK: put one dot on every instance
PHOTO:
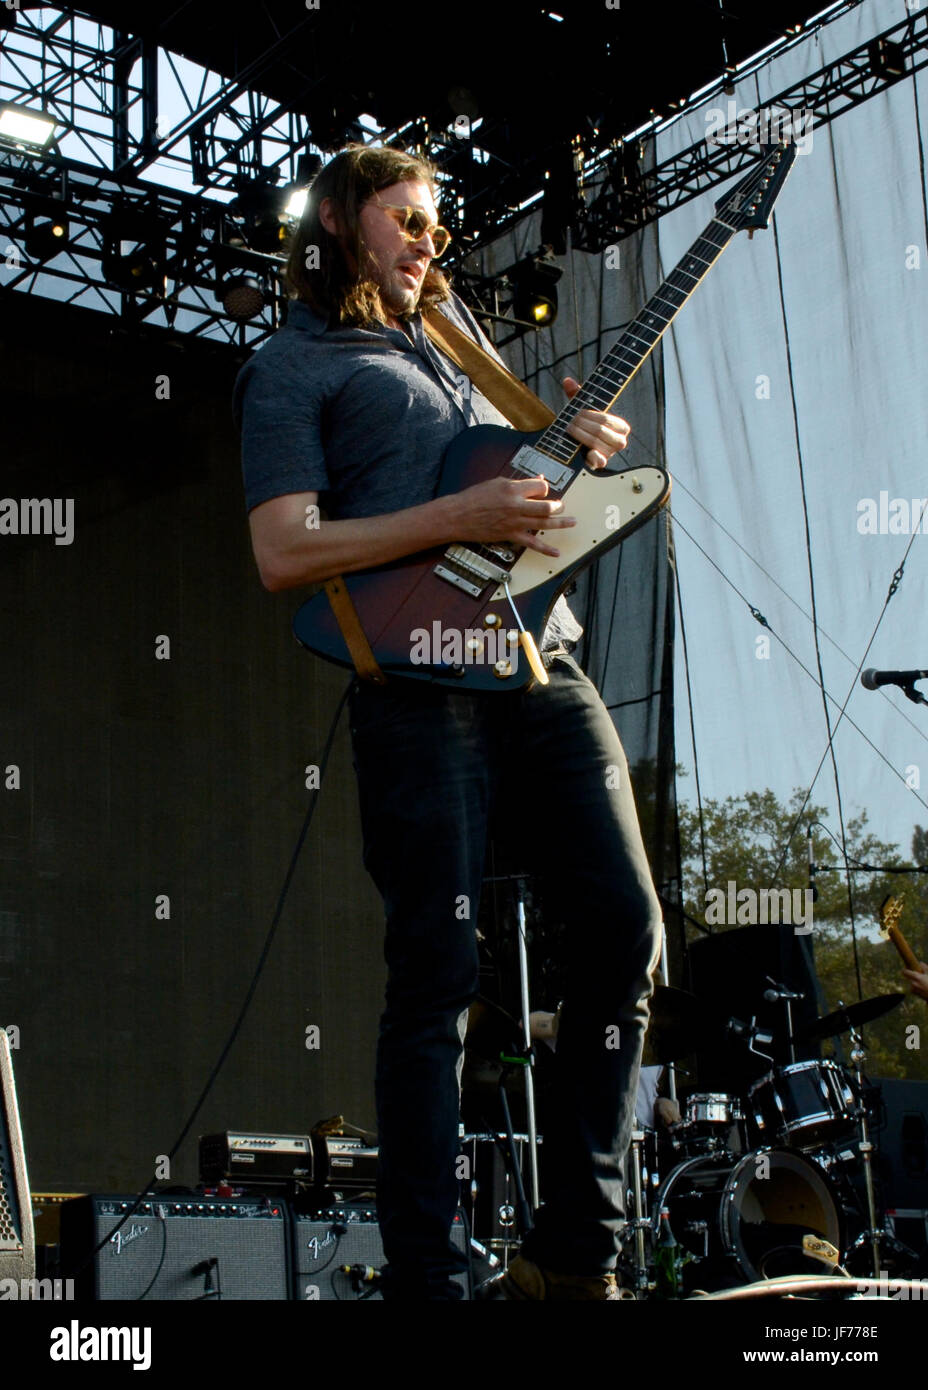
(17, 1241)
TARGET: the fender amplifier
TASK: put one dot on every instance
(347, 1234)
(176, 1247)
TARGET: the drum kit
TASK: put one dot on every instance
(742, 1180)
(753, 1176)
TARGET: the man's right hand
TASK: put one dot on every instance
(507, 509)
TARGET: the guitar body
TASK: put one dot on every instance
(442, 615)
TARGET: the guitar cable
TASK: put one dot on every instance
(148, 1189)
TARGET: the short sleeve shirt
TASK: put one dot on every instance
(361, 416)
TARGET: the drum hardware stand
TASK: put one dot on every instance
(751, 1034)
(526, 1059)
(528, 1046)
(779, 993)
(641, 1222)
(525, 1211)
(670, 1067)
(874, 1236)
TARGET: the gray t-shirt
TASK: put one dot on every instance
(360, 415)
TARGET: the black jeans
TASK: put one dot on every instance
(432, 764)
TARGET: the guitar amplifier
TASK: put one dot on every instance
(176, 1248)
(347, 1234)
(343, 1162)
(260, 1159)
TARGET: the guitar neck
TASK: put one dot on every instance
(903, 947)
(607, 382)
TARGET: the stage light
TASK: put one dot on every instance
(133, 252)
(296, 203)
(534, 283)
(243, 297)
(887, 59)
(261, 212)
(307, 167)
(29, 127)
(46, 234)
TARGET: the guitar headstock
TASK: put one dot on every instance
(890, 912)
(749, 203)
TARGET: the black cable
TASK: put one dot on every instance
(252, 988)
(162, 1217)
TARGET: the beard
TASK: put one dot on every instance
(399, 298)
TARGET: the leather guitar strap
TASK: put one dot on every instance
(522, 409)
(359, 648)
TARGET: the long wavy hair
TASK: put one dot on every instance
(335, 288)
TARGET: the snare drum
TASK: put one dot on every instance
(708, 1118)
(805, 1104)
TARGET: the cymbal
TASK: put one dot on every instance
(679, 1025)
(853, 1016)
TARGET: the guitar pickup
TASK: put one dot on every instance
(476, 564)
(532, 462)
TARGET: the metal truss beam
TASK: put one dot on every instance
(102, 86)
(630, 198)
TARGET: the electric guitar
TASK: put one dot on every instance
(890, 912)
(461, 615)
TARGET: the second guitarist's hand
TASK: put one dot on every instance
(603, 434)
(918, 979)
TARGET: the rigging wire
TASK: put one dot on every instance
(689, 701)
(800, 462)
(759, 617)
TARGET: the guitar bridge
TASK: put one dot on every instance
(459, 581)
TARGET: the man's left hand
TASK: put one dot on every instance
(603, 435)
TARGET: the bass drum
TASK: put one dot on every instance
(747, 1217)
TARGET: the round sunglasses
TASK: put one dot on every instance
(414, 223)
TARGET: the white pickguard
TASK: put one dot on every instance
(602, 505)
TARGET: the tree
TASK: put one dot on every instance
(755, 841)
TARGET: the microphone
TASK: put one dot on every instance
(773, 996)
(872, 680)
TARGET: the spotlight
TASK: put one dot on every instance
(133, 252)
(534, 284)
(296, 202)
(46, 233)
(242, 297)
(887, 59)
(25, 126)
(307, 167)
(260, 209)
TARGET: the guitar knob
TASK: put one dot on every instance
(502, 669)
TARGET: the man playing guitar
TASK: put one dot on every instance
(350, 407)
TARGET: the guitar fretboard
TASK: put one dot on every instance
(626, 355)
